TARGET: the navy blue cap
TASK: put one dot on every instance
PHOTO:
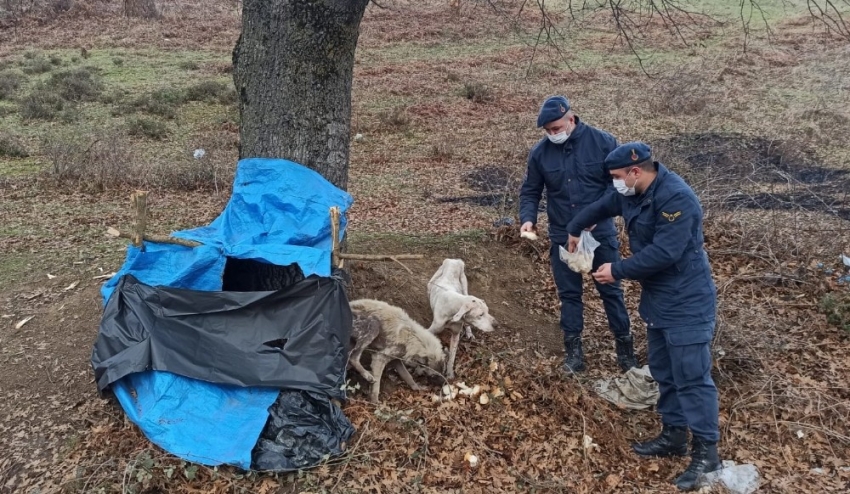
(553, 109)
(628, 154)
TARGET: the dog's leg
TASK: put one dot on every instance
(405, 375)
(365, 337)
(379, 361)
(453, 344)
(354, 361)
(437, 325)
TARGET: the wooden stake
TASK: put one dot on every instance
(140, 202)
(336, 260)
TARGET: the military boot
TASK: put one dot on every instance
(673, 441)
(626, 352)
(574, 359)
(704, 459)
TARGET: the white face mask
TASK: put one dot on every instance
(622, 188)
(559, 138)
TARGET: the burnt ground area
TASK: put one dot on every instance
(736, 171)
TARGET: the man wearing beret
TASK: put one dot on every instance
(663, 218)
(568, 163)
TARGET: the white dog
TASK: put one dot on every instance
(453, 306)
(395, 338)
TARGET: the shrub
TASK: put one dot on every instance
(477, 92)
(147, 127)
(10, 82)
(189, 65)
(37, 66)
(209, 91)
(77, 84)
(837, 309)
(395, 118)
(41, 104)
(95, 161)
(11, 146)
(162, 102)
(70, 114)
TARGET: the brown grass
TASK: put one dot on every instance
(779, 362)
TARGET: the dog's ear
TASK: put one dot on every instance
(466, 307)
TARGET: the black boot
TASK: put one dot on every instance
(704, 459)
(673, 441)
(574, 359)
(626, 352)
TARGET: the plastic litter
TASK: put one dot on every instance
(737, 479)
(580, 261)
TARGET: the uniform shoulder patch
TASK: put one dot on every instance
(671, 216)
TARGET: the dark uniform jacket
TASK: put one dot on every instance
(574, 176)
(665, 236)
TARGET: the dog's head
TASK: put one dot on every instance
(429, 365)
(475, 313)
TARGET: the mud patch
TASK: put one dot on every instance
(498, 188)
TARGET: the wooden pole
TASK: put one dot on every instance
(140, 202)
(160, 239)
(336, 261)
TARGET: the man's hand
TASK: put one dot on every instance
(603, 274)
(527, 227)
(572, 244)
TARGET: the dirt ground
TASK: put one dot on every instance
(444, 107)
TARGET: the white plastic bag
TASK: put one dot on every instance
(580, 261)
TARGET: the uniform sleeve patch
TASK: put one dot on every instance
(671, 216)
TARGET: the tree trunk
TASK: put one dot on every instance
(293, 66)
(145, 9)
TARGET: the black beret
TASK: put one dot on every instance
(628, 154)
(553, 109)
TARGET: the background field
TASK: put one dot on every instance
(94, 105)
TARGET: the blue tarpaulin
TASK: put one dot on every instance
(278, 214)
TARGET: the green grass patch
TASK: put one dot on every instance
(13, 266)
(20, 167)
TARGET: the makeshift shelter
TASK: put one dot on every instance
(232, 351)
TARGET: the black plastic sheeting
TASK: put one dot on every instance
(304, 430)
(295, 338)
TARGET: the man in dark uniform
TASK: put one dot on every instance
(569, 164)
(663, 218)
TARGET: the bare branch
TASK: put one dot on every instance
(830, 16)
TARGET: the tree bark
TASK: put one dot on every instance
(292, 67)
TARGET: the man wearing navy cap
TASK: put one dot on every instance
(568, 163)
(663, 218)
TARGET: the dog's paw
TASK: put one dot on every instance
(368, 376)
